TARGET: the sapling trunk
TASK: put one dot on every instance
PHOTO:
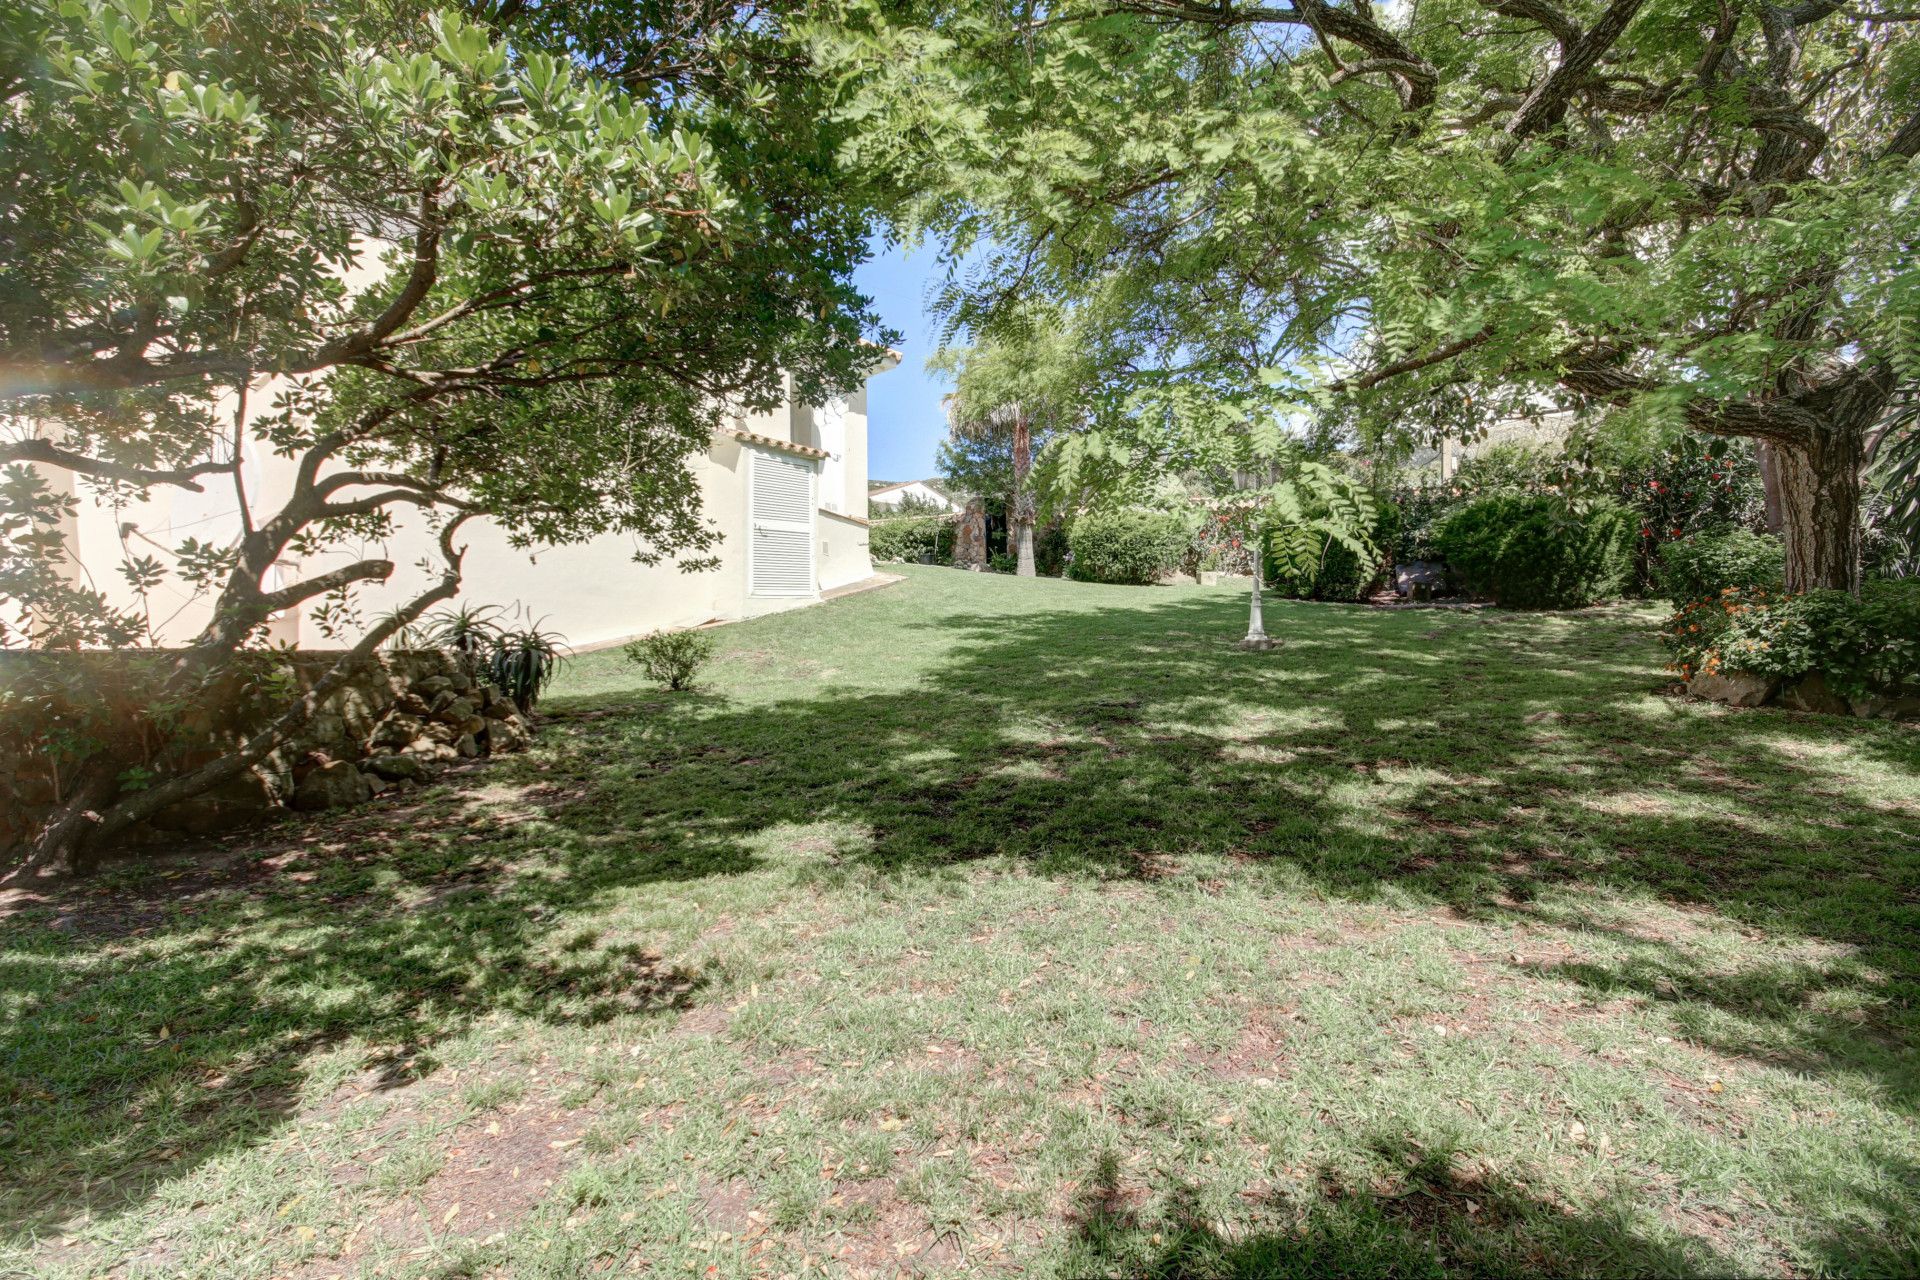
(1257, 637)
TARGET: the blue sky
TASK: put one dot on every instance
(904, 422)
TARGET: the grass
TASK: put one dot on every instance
(988, 926)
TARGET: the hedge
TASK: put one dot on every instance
(1130, 547)
(910, 537)
(1705, 564)
(1538, 551)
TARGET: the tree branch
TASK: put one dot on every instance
(1546, 105)
(47, 453)
(420, 280)
(347, 575)
(1412, 364)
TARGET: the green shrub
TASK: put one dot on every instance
(1050, 550)
(1421, 512)
(1538, 551)
(1340, 574)
(1865, 645)
(911, 537)
(1701, 566)
(671, 658)
(1130, 546)
(1510, 467)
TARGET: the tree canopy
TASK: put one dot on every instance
(1418, 217)
(517, 271)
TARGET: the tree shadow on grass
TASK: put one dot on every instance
(1485, 763)
(1412, 1213)
(157, 1026)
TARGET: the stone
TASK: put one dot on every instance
(505, 735)
(331, 786)
(325, 729)
(1879, 706)
(427, 749)
(467, 745)
(456, 711)
(394, 731)
(1811, 693)
(433, 686)
(375, 782)
(1419, 579)
(1734, 688)
(395, 768)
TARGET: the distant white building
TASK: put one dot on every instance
(1545, 430)
(920, 492)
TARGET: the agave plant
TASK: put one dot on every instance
(408, 635)
(468, 631)
(523, 661)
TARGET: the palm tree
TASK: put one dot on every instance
(1026, 383)
(1009, 424)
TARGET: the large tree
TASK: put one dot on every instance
(1701, 214)
(518, 273)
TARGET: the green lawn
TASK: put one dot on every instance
(987, 926)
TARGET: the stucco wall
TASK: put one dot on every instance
(854, 500)
(592, 593)
(844, 556)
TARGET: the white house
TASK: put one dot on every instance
(925, 492)
(786, 490)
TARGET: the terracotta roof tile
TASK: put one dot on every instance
(784, 446)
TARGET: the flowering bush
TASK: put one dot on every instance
(1220, 544)
(1865, 645)
(1694, 486)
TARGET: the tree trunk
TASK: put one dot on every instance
(1819, 483)
(61, 846)
(1023, 534)
(1022, 512)
(1770, 486)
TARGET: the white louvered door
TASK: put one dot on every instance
(780, 551)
